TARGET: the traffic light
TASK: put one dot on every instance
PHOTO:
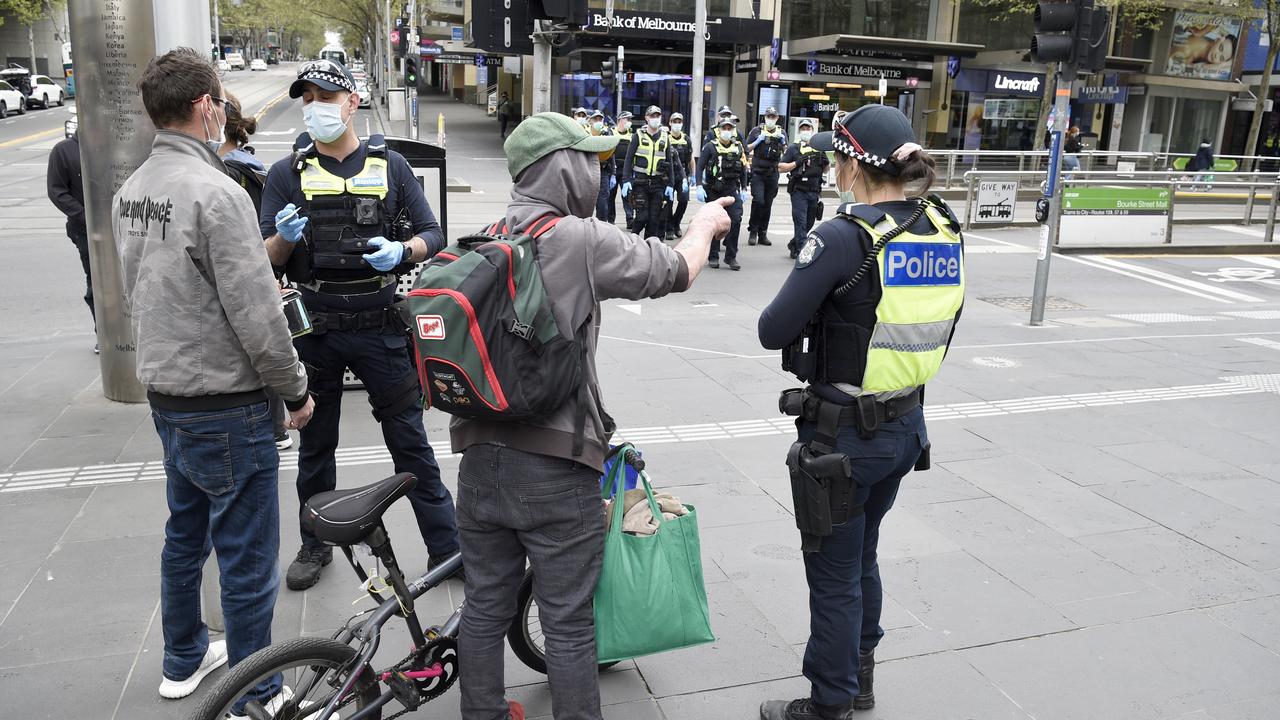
(559, 12)
(608, 78)
(411, 71)
(1058, 30)
(1093, 44)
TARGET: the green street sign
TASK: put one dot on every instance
(1115, 201)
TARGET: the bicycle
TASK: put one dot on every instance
(338, 670)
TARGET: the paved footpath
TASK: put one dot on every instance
(1099, 537)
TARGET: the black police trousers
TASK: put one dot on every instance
(735, 220)
(380, 359)
(764, 188)
(647, 199)
(804, 213)
(845, 594)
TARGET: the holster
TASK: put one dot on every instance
(821, 479)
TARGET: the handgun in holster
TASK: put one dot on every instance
(821, 479)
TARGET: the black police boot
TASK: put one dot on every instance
(751, 237)
(802, 709)
(763, 239)
(866, 699)
(714, 264)
(733, 264)
(305, 569)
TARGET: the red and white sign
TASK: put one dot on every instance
(430, 327)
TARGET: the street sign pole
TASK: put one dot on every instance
(1053, 191)
(699, 81)
(541, 69)
(411, 93)
(618, 76)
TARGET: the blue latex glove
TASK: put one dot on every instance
(626, 189)
(291, 229)
(613, 181)
(684, 185)
(388, 255)
(759, 139)
(670, 193)
(700, 194)
(742, 195)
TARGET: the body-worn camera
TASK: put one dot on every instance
(367, 211)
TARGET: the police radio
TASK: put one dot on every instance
(800, 358)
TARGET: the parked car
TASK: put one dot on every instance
(223, 66)
(257, 64)
(18, 77)
(44, 90)
(69, 127)
(236, 61)
(11, 100)
(366, 97)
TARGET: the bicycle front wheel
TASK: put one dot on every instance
(314, 669)
(525, 633)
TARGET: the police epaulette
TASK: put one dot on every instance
(377, 145)
(870, 213)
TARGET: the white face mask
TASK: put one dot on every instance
(677, 127)
(582, 119)
(726, 135)
(324, 120)
(655, 123)
(624, 126)
(598, 126)
(805, 135)
(771, 123)
(846, 196)
(214, 144)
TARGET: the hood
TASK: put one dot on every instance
(564, 183)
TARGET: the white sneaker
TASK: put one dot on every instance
(273, 705)
(284, 442)
(214, 658)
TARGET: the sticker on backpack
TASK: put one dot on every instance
(430, 327)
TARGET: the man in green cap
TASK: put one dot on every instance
(524, 490)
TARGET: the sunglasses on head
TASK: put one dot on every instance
(321, 66)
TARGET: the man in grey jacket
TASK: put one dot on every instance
(210, 335)
(522, 491)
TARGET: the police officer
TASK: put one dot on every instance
(713, 133)
(608, 165)
(805, 167)
(346, 218)
(623, 130)
(766, 144)
(684, 164)
(650, 174)
(866, 317)
(580, 116)
(722, 173)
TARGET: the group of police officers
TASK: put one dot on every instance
(654, 168)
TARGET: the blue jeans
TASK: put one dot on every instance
(845, 595)
(381, 361)
(223, 476)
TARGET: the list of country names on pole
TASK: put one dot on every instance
(118, 94)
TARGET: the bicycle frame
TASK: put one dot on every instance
(370, 631)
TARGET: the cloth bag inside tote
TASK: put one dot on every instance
(651, 597)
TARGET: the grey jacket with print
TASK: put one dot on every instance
(204, 304)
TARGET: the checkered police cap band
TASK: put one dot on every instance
(327, 71)
(846, 143)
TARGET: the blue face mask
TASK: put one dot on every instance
(324, 121)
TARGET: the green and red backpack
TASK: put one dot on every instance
(485, 340)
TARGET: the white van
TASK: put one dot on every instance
(236, 61)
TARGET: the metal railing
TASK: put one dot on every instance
(1250, 183)
(954, 164)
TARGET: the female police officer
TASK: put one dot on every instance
(865, 319)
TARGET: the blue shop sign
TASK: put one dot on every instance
(1104, 94)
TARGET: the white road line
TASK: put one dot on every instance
(1128, 338)
(1239, 230)
(702, 432)
(1258, 259)
(988, 238)
(1262, 342)
(1167, 277)
(1093, 263)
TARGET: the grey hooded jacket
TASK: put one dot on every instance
(583, 262)
(204, 303)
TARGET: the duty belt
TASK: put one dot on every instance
(367, 320)
(866, 413)
(348, 288)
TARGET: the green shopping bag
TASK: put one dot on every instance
(651, 597)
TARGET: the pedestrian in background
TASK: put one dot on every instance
(1070, 147)
(722, 172)
(866, 335)
(210, 334)
(523, 487)
(66, 191)
(806, 167)
(503, 113)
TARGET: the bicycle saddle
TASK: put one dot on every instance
(346, 517)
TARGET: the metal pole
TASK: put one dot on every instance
(968, 199)
(1248, 204)
(217, 30)
(1268, 236)
(541, 69)
(1049, 233)
(1168, 225)
(618, 76)
(411, 93)
(696, 87)
(951, 169)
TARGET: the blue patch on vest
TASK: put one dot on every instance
(909, 264)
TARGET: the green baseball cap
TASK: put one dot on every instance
(547, 132)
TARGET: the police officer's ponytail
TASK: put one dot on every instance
(916, 168)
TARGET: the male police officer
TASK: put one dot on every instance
(722, 173)
(806, 167)
(345, 218)
(608, 165)
(651, 173)
(866, 317)
(623, 130)
(683, 157)
(713, 133)
(580, 116)
(766, 144)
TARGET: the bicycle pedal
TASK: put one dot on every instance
(404, 691)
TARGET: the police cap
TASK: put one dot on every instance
(771, 112)
(724, 110)
(870, 134)
(596, 114)
(806, 122)
(652, 110)
(730, 121)
(624, 115)
(676, 116)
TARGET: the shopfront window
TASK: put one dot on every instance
(879, 18)
(668, 91)
(1178, 125)
(995, 27)
(821, 100)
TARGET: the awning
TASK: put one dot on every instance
(1228, 86)
(837, 43)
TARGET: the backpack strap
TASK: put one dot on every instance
(539, 227)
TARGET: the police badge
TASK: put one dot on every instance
(812, 248)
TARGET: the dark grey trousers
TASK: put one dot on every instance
(514, 505)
